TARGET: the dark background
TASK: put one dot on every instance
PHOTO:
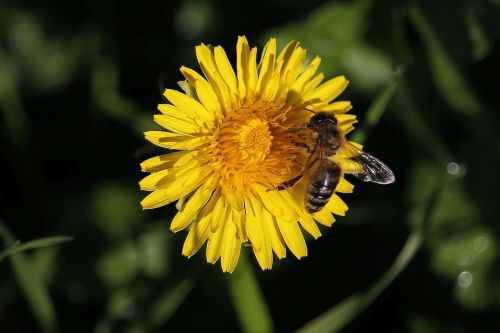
(80, 81)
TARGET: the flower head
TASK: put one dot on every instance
(236, 141)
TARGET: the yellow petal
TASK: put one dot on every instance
(295, 199)
(252, 74)
(324, 217)
(253, 210)
(299, 84)
(160, 198)
(175, 140)
(234, 197)
(186, 175)
(173, 190)
(230, 247)
(337, 206)
(257, 234)
(348, 166)
(264, 257)
(331, 89)
(176, 112)
(219, 214)
(187, 104)
(177, 125)
(239, 222)
(267, 66)
(204, 91)
(226, 70)
(307, 222)
(214, 245)
(207, 64)
(344, 186)
(308, 92)
(158, 179)
(246, 71)
(293, 237)
(199, 233)
(197, 236)
(338, 107)
(195, 203)
(292, 66)
(150, 183)
(285, 55)
(257, 217)
(346, 122)
(274, 203)
(271, 228)
(161, 162)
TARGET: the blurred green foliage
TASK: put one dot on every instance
(80, 82)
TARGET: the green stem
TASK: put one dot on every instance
(250, 305)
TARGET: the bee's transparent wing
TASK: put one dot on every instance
(373, 170)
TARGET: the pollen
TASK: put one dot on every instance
(251, 146)
(255, 140)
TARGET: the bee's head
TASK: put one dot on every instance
(322, 117)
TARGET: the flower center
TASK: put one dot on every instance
(252, 146)
(254, 140)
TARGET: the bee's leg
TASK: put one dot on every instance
(303, 145)
(297, 127)
(289, 183)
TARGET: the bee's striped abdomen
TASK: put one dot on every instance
(321, 186)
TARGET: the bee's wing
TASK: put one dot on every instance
(373, 169)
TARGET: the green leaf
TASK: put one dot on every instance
(35, 244)
(250, 305)
(31, 286)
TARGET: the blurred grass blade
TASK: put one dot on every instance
(481, 43)
(10, 103)
(449, 80)
(168, 303)
(34, 244)
(415, 125)
(339, 316)
(249, 303)
(105, 78)
(378, 107)
(32, 286)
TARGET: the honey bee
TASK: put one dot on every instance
(325, 175)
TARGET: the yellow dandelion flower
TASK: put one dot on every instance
(237, 138)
